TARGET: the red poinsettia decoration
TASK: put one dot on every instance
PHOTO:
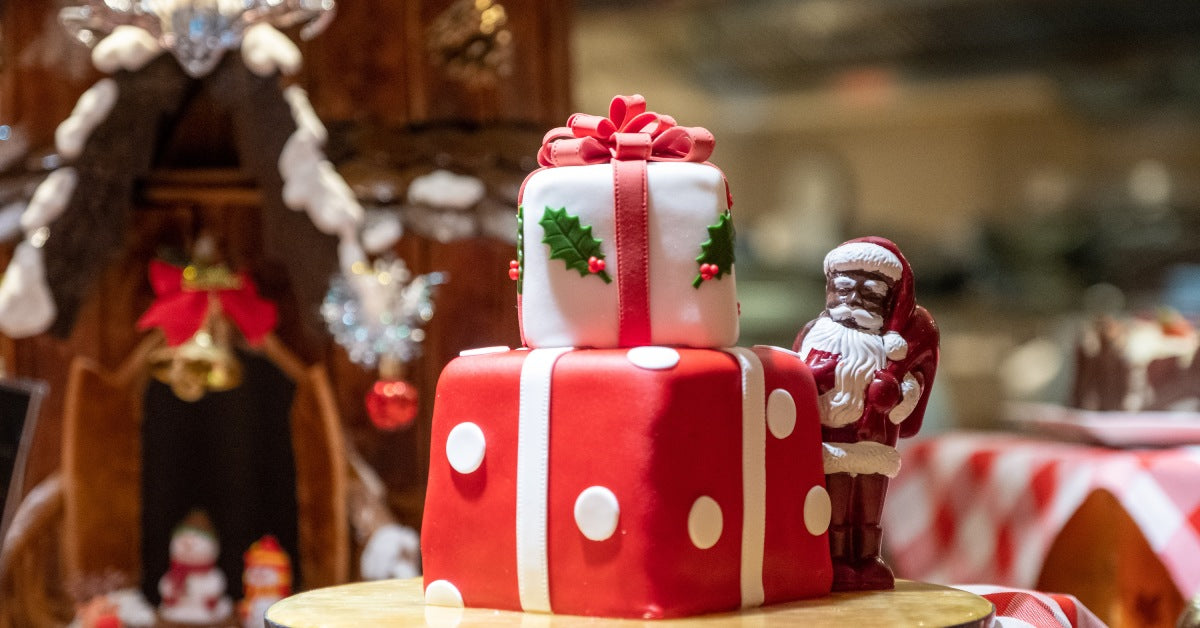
(184, 297)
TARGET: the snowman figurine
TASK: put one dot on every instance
(193, 589)
(266, 580)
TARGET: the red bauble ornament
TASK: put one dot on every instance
(392, 404)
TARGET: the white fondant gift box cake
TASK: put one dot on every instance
(629, 462)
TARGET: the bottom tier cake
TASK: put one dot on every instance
(647, 482)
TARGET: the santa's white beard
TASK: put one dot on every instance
(860, 354)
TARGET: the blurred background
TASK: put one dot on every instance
(1038, 162)
(1035, 160)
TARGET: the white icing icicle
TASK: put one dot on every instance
(92, 108)
(393, 551)
(321, 191)
(310, 182)
(266, 51)
(381, 230)
(442, 188)
(49, 200)
(126, 48)
(303, 114)
(10, 220)
(26, 306)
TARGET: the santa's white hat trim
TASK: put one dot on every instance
(866, 457)
(864, 256)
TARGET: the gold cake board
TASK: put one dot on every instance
(390, 603)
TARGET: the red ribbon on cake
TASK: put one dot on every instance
(629, 138)
(180, 306)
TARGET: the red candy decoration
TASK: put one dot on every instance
(708, 271)
(514, 270)
(595, 264)
(392, 404)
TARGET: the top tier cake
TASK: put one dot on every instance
(638, 233)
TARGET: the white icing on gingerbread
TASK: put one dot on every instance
(49, 200)
(447, 190)
(26, 306)
(90, 110)
(126, 48)
(266, 51)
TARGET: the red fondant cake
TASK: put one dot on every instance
(646, 482)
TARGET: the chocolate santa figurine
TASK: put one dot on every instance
(873, 353)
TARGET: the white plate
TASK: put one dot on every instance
(1112, 428)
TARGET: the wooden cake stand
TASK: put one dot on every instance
(391, 603)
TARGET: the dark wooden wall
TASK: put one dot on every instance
(370, 66)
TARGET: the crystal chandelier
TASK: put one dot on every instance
(197, 32)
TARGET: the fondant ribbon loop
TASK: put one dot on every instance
(628, 133)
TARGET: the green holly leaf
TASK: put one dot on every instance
(571, 242)
(718, 249)
(520, 248)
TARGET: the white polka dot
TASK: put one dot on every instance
(653, 358)
(465, 447)
(817, 510)
(443, 593)
(781, 413)
(483, 351)
(597, 512)
(705, 522)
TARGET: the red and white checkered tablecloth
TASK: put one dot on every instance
(1019, 608)
(973, 507)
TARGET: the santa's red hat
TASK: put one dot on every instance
(880, 255)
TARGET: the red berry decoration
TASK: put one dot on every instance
(595, 264)
(514, 264)
(392, 404)
(514, 274)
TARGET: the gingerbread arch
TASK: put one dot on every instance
(76, 218)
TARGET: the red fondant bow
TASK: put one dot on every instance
(180, 309)
(628, 133)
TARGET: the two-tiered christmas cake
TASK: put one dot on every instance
(629, 461)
